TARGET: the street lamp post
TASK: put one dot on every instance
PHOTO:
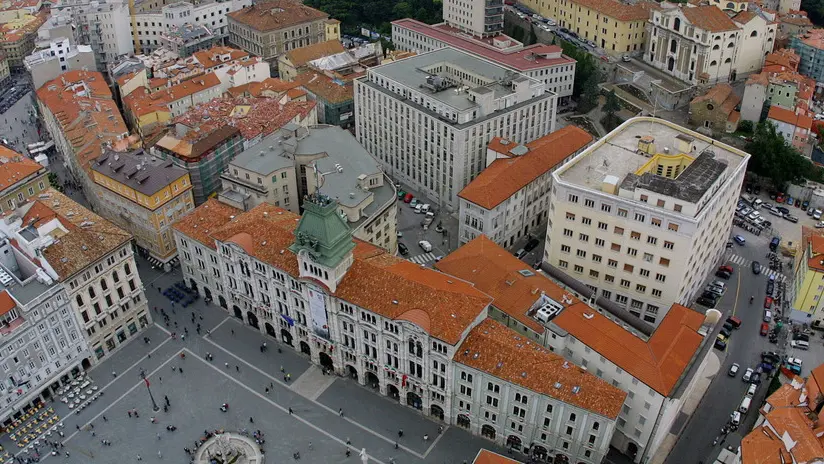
(155, 408)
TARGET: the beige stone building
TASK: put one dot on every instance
(271, 28)
(20, 179)
(714, 112)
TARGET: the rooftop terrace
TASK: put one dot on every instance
(619, 155)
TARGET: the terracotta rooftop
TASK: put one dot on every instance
(204, 220)
(328, 89)
(796, 18)
(217, 55)
(251, 116)
(15, 167)
(791, 430)
(536, 56)
(722, 96)
(787, 116)
(743, 17)
(814, 38)
(816, 244)
(300, 56)
(89, 237)
(709, 18)
(620, 10)
(488, 457)
(785, 57)
(83, 106)
(7, 303)
(269, 87)
(504, 177)
(659, 362)
(276, 14)
(12, 32)
(497, 350)
(390, 286)
(760, 78)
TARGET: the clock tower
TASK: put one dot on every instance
(323, 242)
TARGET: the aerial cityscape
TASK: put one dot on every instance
(412, 231)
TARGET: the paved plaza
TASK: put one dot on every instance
(370, 421)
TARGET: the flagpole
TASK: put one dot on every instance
(146, 381)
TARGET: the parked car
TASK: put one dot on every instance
(425, 245)
(765, 329)
(402, 249)
(783, 209)
(531, 244)
(708, 302)
(768, 302)
(726, 268)
(790, 218)
(723, 274)
(770, 356)
(739, 239)
(733, 370)
(747, 375)
(720, 344)
(756, 378)
(756, 267)
(408, 198)
(770, 288)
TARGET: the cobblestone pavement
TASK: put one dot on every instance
(370, 420)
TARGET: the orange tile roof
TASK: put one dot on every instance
(143, 101)
(300, 56)
(15, 167)
(326, 88)
(787, 116)
(497, 350)
(504, 177)
(395, 288)
(760, 79)
(9, 35)
(269, 87)
(659, 362)
(89, 237)
(88, 116)
(205, 219)
(488, 457)
(743, 17)
(7, 303)
(252, 116)
(816, 260)
(620, 10)
(276, 14)
(709, 18)
(213, 57)
(720, 94)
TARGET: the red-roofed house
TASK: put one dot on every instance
(795, 127)
(509, 199)
(653, 369)
(416, 335)
(809, 272)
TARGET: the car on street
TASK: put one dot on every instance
(791, 218)
(770, 288)
(708, 302)
(765, 328)
(402, 249)
(715, 290)
(408, 198)
(747, 375)
(756, 267)
(733, 370)
(531, 244)
(720, 344)
(770, 357)
(726, 268)
(756, 378)
(722, 274)
(751, 390)
(425, 246)
(819, 225)
(739, 239)
(767, 315)
(768, 302)
(783, 209)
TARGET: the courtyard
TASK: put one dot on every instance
(238, 374)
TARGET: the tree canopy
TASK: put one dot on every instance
(587, 76)
(815, 10)
(774, 158)
(376, 15)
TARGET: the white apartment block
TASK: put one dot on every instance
(642, 215)
(42, 343)
(103, 286)
(510, 198)
(59, 56)
(704, 45)
(103, 25)
(546, 63)
(151, 25)
(476, 17)
(650, 366)
(358, 313)
(428, 118)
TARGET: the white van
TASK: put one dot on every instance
(745, 405)
(425, 208)
(735, 418)
(419, 208)
(757, 203)
(751, 390)
(800, 344)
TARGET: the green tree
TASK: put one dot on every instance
(587, 74)
(815, 10)
(612, 105)
(745, 126)
(774, 158)
(589, 94)
(402, 10)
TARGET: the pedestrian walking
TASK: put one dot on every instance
(227, 365)
(340, 412)
(129, 413)
(267, 390)
(104, 419)
(180, 369)
(166, 398)
(400, 433)
(310, 446)
(139, 458)
(426, 437)
(290, 411)
(288, 377)
(237, 368)
(233, 331)
(251, 420)
(158, 435)
(161, 380)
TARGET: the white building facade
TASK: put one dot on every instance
(105, 26)
(42, 343)
(151, 25)
(49, 63)
(312, 308)
(636, 224)
(431, 130)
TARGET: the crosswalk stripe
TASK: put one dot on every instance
(422, 258)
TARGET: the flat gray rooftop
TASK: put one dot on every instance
(616, 154)
(410, 73)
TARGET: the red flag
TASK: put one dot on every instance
(147, 382)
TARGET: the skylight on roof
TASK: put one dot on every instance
(526, 273)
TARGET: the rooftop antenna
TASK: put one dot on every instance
(318, 197)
